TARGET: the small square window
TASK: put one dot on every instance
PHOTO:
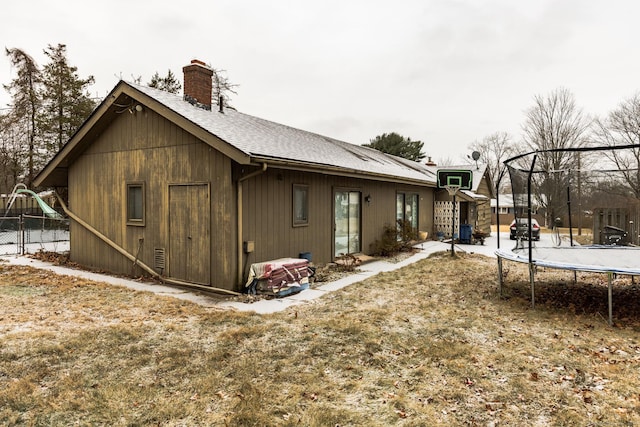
(300, 205)
(135, 204)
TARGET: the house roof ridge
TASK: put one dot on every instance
(267, 139)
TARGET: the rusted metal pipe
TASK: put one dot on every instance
(134, 259)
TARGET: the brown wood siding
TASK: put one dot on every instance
(144, 147)
(484, 207)
(268, 214)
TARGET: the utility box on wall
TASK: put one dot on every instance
(249, 246)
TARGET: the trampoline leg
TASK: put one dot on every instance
(532, 283)
(500, 275)
(610, 297)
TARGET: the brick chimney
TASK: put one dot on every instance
(197, 84)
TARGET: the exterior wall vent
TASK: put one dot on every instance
(159, 259)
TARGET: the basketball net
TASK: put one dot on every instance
(452, 189)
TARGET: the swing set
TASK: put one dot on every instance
(18, 231)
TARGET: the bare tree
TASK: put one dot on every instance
(554, 123)
(494, 149)
(622, 127)
(445, 161)
(222, 87)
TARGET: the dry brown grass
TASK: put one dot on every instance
(429, 344)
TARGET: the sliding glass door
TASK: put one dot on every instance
(407, 211)
(346, 222)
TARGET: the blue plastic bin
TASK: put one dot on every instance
(466, 232)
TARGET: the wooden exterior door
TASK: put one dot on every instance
(189, 233)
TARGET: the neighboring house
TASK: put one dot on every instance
(199, 194)
(472, 206)
(506, 209)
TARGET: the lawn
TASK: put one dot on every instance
(430, 344)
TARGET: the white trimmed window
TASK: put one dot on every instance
(135, 203)
(300, 205)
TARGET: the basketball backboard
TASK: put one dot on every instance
(462, 179)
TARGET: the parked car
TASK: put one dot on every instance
(519, 228)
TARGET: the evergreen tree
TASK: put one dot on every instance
(24, 91)
(12, 154)
(66, 100)
(169, 83)
(397, 145)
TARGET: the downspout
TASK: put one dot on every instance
(239, 217)
(134, 259)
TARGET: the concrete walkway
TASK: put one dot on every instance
(263, 306)
(115, 280)
(365, 271)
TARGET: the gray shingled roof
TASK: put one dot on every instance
(264, 140)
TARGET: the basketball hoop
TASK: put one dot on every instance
(453, 180)
(452, 189)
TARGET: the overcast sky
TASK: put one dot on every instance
(445, 72)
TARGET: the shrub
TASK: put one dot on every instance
(347, 262)
(394, 239)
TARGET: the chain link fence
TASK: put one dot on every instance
(30, 233)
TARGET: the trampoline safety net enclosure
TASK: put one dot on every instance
(568, 191)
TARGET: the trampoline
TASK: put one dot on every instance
(529, 182)
(610, 260)
(591, 258)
